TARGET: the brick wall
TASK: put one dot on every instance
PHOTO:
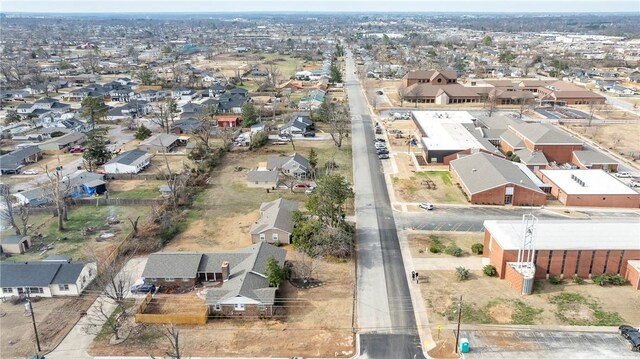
(558, 153)
(514, 278)
(605, 200)
(633, 276)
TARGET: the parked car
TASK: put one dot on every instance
(382, 151)
(634, 339)
(380, 145)
(309, 134)
(380, 139)
(426, 205)
(309, 190)
(383, 156)
(76, 149)
(634, 184)
(626, 329)
(143, 288)
(623, 174)
(379, 92)
(30, 172)
(301, 185)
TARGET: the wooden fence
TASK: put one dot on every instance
(193, 319)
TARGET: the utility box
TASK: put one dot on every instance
(464, 345)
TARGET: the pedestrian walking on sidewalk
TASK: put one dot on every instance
(413, 275)
(416, 277)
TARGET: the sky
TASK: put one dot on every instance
(213, 6)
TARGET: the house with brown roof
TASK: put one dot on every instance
(563, 93)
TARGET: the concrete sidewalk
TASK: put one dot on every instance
(78, 340)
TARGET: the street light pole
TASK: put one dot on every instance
(459, 318)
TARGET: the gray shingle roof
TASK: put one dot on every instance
(262, 176)
(38, 274)
(588, 158)
(529, 157)
(540, 134)
(276, 162)
(160, 140)
(129, 157)
(480, 172)
(172, 265)
(275, 214)
(513, 140)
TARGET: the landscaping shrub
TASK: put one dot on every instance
(453, 250)
(462, 273)
(601, 279)
(477, 248)
(436, 246)
(577, 280)
(555, 279)
(489, 270)
(617, 279)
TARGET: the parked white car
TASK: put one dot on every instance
(623, 175)
(426, 205)
(634, 184)
(30, 172)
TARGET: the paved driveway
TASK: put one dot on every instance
(75, 344)
(545, 344)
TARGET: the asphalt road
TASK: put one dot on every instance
(386, 320)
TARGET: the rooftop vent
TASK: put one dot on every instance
(578, 180)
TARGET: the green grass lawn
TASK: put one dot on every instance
(443, 175)
(148, 189)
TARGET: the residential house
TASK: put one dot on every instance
(275, 224)
(235, 282)
(12, 162)
(133, 161)
(160, 143)
(84, 184)
(295, 165)
(131, 110)
(45, 278)
(63, 142)
(229, 121)
(299, 124)
(487, 179)
(263, 179)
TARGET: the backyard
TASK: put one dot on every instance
(86, 225)
(426, 186)
(222, 215)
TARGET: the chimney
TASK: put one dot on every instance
(225, 271)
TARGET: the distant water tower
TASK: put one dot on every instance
(526, 253)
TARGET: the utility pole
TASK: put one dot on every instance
(33, 321)
(459, 318)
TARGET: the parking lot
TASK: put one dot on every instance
(545, 344)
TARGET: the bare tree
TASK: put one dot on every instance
(102, 317)
(6, 212)
(524, 102)
(59, 189)
(492, 101)
(176, 347)
(339, 123)
(134, 226)
(226, 134)
(164, 114)
(306, 264)
(402, 92)
(287, 179)
(593, 108)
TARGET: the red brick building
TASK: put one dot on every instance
(594, 160)
(589, 188)
(593, 248)
(555, 144)
(488, 179)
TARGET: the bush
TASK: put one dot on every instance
(576, 279)
(477, 248)
(489, 270)
(617, 279)
(601, 279)
(555, 279)
(142, 133)
(462, 273)
(436, 246)
(453, 250)
(15, 300)
(509, 154)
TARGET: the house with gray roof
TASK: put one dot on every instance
(295, 165)
(594, 160)
(12, 162)
(45, 278)
(275, 224)
(488, 179)
(235, 282)
(262, 179)
(160, 143)
(132, 161)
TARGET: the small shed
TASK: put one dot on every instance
(16, 244)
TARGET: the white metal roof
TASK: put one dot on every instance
(445, 131)
(569, 234)
(587, 182)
